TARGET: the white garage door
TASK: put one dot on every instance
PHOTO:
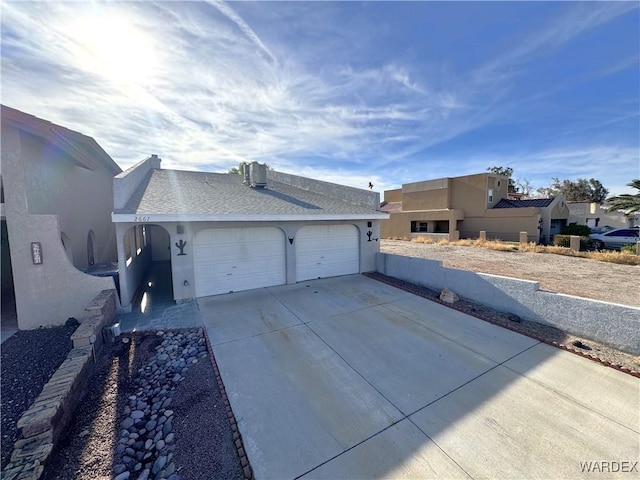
(326, 251)
(233, 259)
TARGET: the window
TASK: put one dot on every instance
(622, 233)
(441, 226)
(419, 227)
(490, 195)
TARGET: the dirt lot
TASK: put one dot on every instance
(570, 275)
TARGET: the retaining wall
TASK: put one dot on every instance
(44, 423)
(609, 323)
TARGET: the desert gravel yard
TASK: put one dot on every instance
(24, 371)
(581, 277)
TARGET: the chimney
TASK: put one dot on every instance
(258, 175)
(244, 170)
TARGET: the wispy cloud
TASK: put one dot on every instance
(228, 12)
(298, 85)
(578, 19)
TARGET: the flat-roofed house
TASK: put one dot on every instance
(460, 207)
(224, 232)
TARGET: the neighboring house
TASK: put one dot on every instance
(230, 232)
(461, 207)
(56, 205)
(595, 215)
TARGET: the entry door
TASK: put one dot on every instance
(235, 259)
(326, 251)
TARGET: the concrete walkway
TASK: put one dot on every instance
(352, 378)
(154, 307)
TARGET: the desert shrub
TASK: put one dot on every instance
(580, 230)
(500, 246)
(629, 248)
(562, 241)
(565, 241)
(623, 258)
(532, 247)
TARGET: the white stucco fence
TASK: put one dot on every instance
(609, 323)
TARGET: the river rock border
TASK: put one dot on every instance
(145, 448)
(146, 444)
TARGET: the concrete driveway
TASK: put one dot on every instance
(351, 378)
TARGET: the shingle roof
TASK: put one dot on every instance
(535, 202)
(176, 192)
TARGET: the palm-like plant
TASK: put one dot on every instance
(627, 202)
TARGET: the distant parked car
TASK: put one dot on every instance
(604, 229)
(615, 239)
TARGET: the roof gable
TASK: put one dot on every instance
(83, 150)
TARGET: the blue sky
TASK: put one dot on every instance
(349, 92)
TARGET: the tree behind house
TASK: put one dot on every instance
(505, 172)
(582, 190)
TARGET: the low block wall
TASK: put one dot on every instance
(44, 423)
(608, 323)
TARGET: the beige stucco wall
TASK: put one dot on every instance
(49, 293)
(396, 226)
(582, 213)
(81, 199)
(393, 195)
(428, 195)
(469, 193)
(503, 224)
(559, 209)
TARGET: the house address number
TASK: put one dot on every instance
(143, 219)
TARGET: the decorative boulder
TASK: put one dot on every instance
(448, 296)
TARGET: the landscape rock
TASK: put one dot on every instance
(147, 439)
(448, 296)
(123, 476)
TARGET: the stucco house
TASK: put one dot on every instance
(56, 206)
(596, 215)
(460, 207)
(226, 232)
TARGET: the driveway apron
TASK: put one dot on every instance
(351, 378)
